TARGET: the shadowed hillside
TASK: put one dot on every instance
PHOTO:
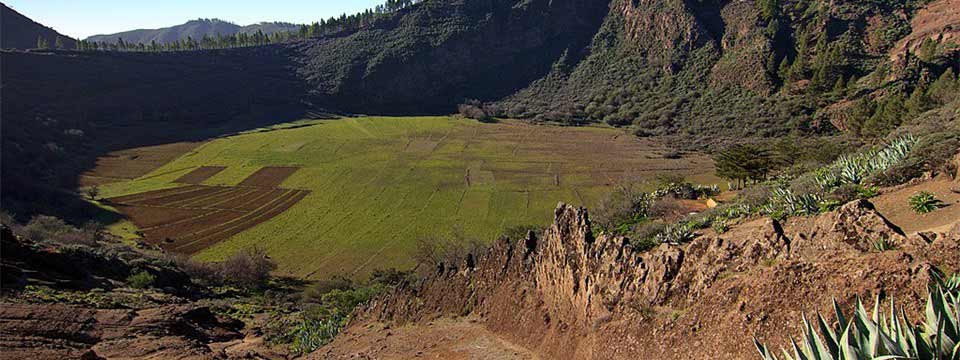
(19, 32)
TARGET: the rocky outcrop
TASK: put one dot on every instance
(34, 331)
(575, 294)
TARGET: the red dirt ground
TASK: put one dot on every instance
(269, 176)
(199, 174)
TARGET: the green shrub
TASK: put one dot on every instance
(720, 226)
(140, 280)
(881, 336)
(924, 202)
(883, 244)
(866, 192)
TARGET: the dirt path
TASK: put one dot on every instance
(894, 205)
(443, 338)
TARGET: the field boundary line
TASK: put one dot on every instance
(393, 239)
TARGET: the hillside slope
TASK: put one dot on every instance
(706, 71)
(575, 294)
(195, 29)
(19, 32)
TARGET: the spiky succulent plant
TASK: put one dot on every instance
(924, 202)
(880, 337)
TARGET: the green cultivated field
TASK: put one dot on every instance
(379, 184)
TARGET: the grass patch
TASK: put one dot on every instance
(379, 184)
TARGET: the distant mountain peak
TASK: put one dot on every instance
(195, 29)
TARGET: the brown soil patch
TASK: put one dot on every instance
(133, 163)
(895, 206)
(127, 199)
(171, 200)
(269, 176)
(199, 174)
(204, 239)
(192, 218)
(147, 217)
(440, 339)
(938, 20)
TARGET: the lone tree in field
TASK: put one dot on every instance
(92, 192)
(744, 162)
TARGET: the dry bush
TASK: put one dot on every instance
(49, 229)
(451, 250)
(204, 273)
(474, 109)
(666, 207)
(626, 204)
(248, 268)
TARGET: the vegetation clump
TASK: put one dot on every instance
(924, 202)
(140, 280)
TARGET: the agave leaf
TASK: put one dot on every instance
(841, 320)
(924, 350)
(814, 344)
(764, 352)
(868, 338)
(797, 352)
(829, 334)
(847, 350)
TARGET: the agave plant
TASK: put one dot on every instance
(791, 203)
(854, 169)
(949, 284)
(880, 337)
(675, 234)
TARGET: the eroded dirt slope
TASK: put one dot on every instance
(574, 294)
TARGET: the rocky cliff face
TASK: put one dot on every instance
(571, 293)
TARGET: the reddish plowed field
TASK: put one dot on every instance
(267, 205)
(227, 192)
(196, 243)
(269, 176)
(126, 199)
(180, 229)
(264, 198)
(191, 218)
(199, 174)
(173, 199)
(147, 217)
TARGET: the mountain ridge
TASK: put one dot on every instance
(195, 29)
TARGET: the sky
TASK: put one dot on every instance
(83, 18)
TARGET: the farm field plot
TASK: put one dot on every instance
(133, 163)
(373, 186)
(199, 174)
(191, 218)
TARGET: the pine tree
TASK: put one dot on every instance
(919, 102)
(768, 8)
(58, 43)
(928, 50)
(42, 43)
(840, 87)
(783, 71)
(852, 85)
(945, 89)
